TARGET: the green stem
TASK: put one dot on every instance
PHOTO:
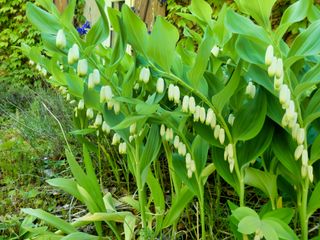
(303, 210)
(202, 216)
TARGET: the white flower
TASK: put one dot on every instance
(304, 171)
(185, 104)
(144, 75)
(133, 128)
(310, 173)
(298, 152)
(90, 81)
(169, 134)
(231, 164)
(136, 86)
(231, 119)
(216, 131)
(31, 62)
(73, 54)
(68, 97)
(176, 94)
(182, 149)
(96, 76)
(209, 118)
(171, 92)
(269, 55)
(190, 165)
(285, 120)
(110, 104)
(213, 121)
(98, 120)
(196, 115)
(176, 141)
(89, 113)
(82, 67)
(162, 130)
(61, 41)
(123, 148)
(105, 127)
(284, 95)
(221, 135)
(300, 136)
(272, 68)
(279, 68)
(115, 139)
(160, 85)
(116, 107)
(105, 94)
(192, 105)
(81, 104)
(215, 50)
(278, 82)
(304, 157)
(202, 114)
(251, 90)
(294, 131)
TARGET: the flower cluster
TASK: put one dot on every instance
(289, 119)
(229, 155)
(84, 28)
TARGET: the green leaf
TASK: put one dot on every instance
(128, 121)
(79, 236)
(163, 55)
(50, 219)
(283, 214)
(307, 43)
(249, 224)
(250, 119)
(92, 98)
(315, 150)
(97, 34)
(129, 226)
(199, 150)
(75, 84)
(260, 10)
(314, 202)
(282, 230)
(250, 50)
(265, 181)
(67, 185)
(221, 33)
(83, 131)
(136, 30)
(200, 64)
(268, 231)
(312, 111)
(201, 9)
(242, 212)
(107, 217)
(222, 98)
(68, 13)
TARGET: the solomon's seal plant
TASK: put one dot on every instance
(236, 99)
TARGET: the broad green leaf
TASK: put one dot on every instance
(136, 30)
(107, 217)
(207, 133)
(128, 121)
(75, 84)
(67, 185)
(315, 150)
(79, 236)
(283, 214)
(250, 50)
(200, 64)
(51, 220)
(83, 131)
(312, 111)
(222, 98)
(199, 150)
(282, 229)
(97, 34)
(42, 20)
(314, 13)
(265, 181)
(249, 224)
(260, 10)
(242, 212)
(250, 119)
(163, 54)
(241, 25)
(178, 205)
(314, 201)
(201, 9)
(307, 43)
(146, 109)
(129, 225)
(268, 232)
(261, 77)
(68, 13)
(221, 33)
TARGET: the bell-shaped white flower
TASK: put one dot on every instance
(61, 41)
(115, 139)
(196, 115)
(310, 173)
(89, 113)
(216, 131)
(171, 92)
(300, 136)
(160, 85)
(90, 81)
(82, 68)
(231, 164)
(106, 94)
(209, 118)
(284, 95)
(176, 94)
(278, 82)
(144, 75)
(215, 50)
(202, 114)
(122, 148)
(269, 55)
(231, 119)
(279, 68)
(304, 171)
(192, 105)
(304, 157)
(222, 135)
(273, 67)
(73, 54)
(185, 104)
(294, 131)
(298, 152)
(176, 141)
(133, 128)
(98, 120)
(105, 127)
(182, 149)
(162, 130)
(110, 104)
(81, 104)
(213, 121)
(96, 76)
(116, 107)
(251, 90)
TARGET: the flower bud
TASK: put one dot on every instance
(298, 152)
(216, 131)
(230, 150)
(82, 67)
(133, 128)
(162, 130)
(293, 120)
(196, 115)
(73, 54)
(251, 90)
(105, 127)
(61, 41)
(169, 134)
(160, 85)
(105, 94)
(116, 107)
(209, 118)
(144, 75)
(215, 50)
(231, 164)
(304, 171)
(221, 135)
(279, 68)
(310, 173)
(98, 120)
(278, 82)
(284, 95)
(213, 121)
(231, 119)
(300, 136)
(189, 173)
(285, 121)
(96, 76)
(131, 138)
(81, 104)
(269, 55)
(272, 68)
(122, 148)
(182, 150)
(89, 113)
(176, 141)
(304, 157)
(176, 94)
(192, 105)
(68, 97)
(136, 86)
(185, 104)
(171, 92)
(294, 131)
(90, 81)
(202, 114)
(115, 139)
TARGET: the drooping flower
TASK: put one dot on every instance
(89, 113)
(273, 67)
(298, 152)
(185, 103)
(105, 127)
(269, 55)
(144, 75)
(96, 76)
(231, 119)
(61, 41)
(209, 118)
(176, 94)
(73, 54)
(215, 50)
(82, 67)
(106, 94)
(98, 120)
(160, 85)
(192, 105)
(81, 104)
(251, 90)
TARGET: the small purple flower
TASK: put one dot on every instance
(84, 28)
